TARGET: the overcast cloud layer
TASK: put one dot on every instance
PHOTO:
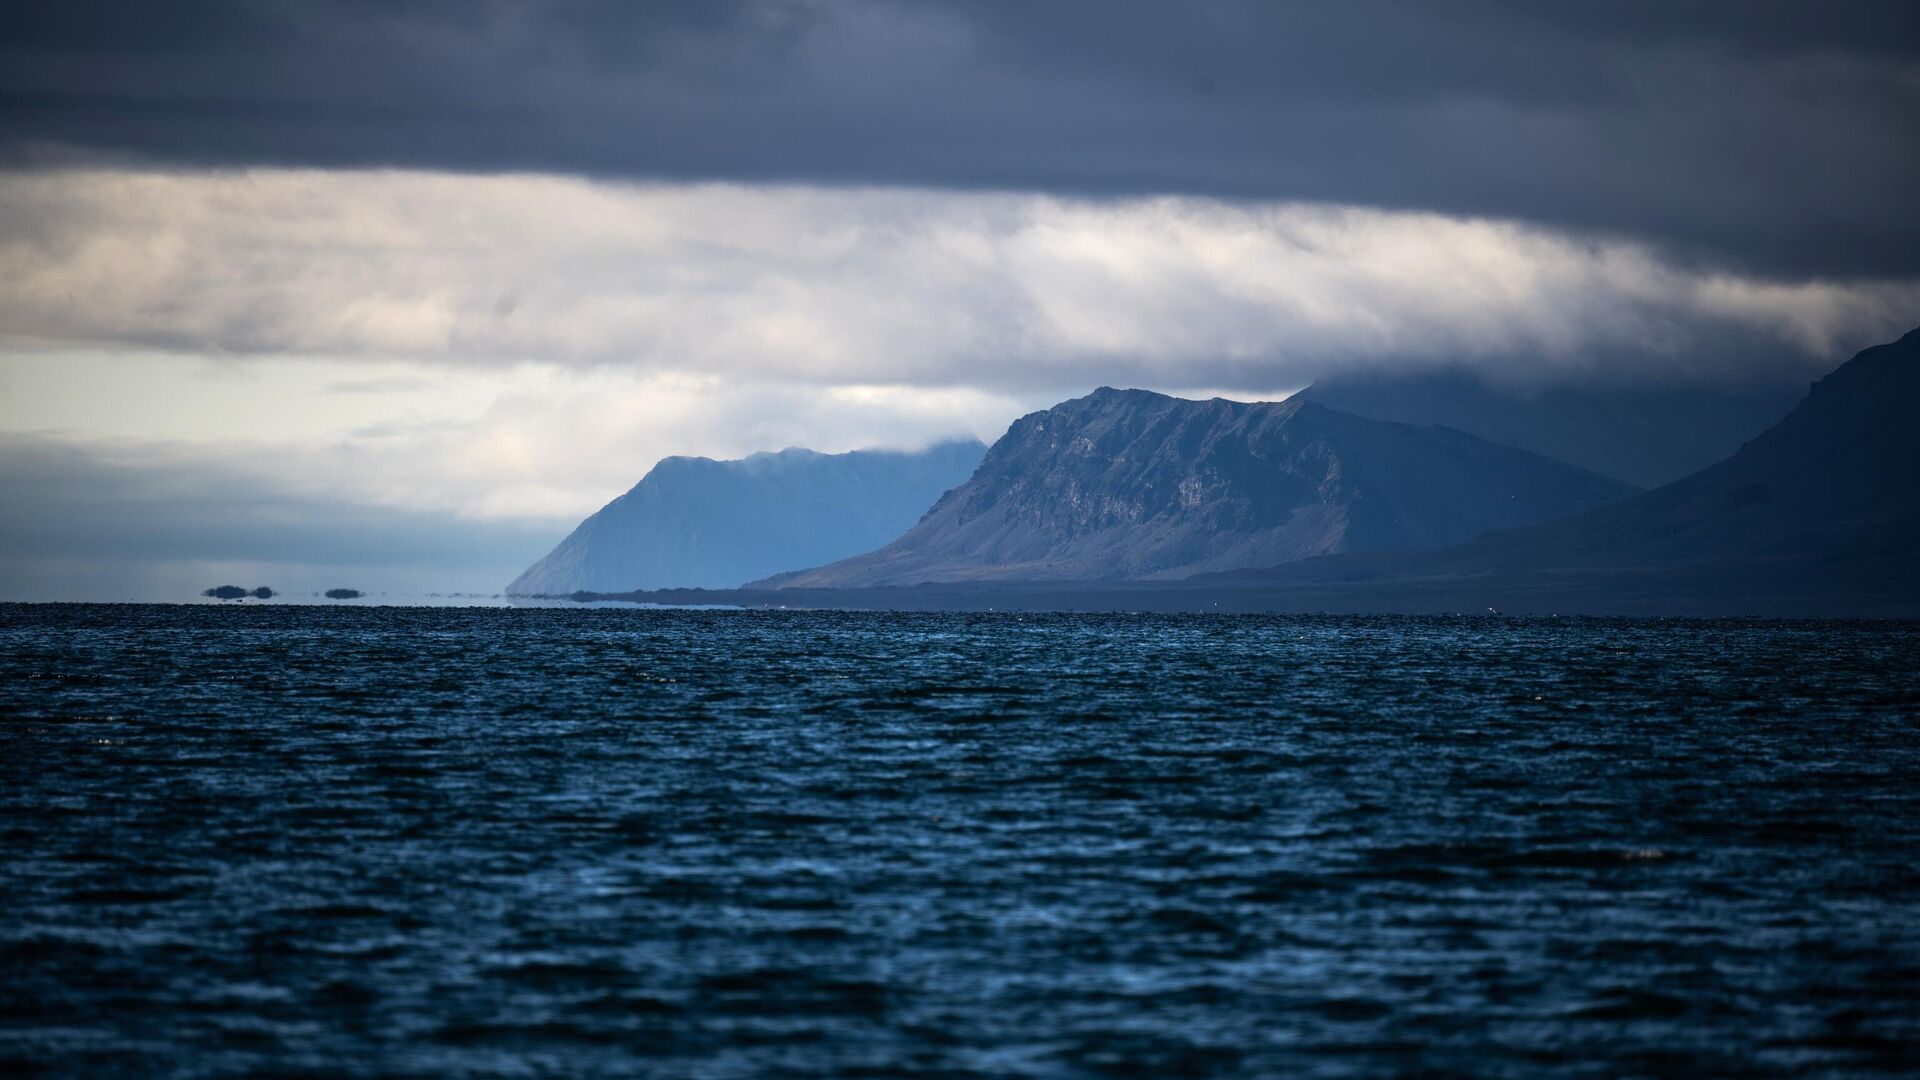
(1768, 135)
(862, 287)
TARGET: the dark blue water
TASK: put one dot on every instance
(519, 843)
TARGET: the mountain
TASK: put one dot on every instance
(1127, 484)
(1645, 435)
(697, 522)
(1825, 502)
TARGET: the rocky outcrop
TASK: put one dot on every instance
(1127, 484)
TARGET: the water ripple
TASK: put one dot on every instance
(373, 841)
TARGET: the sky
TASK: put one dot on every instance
(389, 296)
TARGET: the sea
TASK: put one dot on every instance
(387, 841)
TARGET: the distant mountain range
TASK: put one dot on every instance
(1127, 484)
(1645, 435)
(697, 522)
(1817, 515)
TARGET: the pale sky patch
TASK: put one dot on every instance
(539, 442)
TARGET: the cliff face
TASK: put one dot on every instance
(700, 523)
(1132, 484)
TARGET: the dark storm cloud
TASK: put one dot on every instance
(1770, 136)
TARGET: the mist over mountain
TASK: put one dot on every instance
(1645, 434)
(694, 522)
(1826, 499)
(1128, 484)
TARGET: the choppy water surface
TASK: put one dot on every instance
(728, 844)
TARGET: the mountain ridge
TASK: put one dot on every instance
(1132, 484)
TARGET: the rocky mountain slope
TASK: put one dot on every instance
(1127, 484)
